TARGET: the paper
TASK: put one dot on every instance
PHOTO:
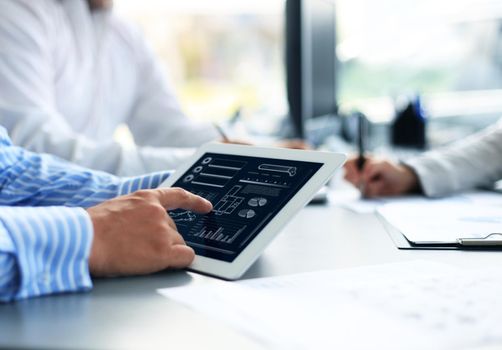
(368, 206)
(416, 305)
(473, 215)
(362, 206)
(350, 198)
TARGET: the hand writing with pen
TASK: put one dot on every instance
(377, 177)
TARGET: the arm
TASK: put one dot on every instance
(43, 251)
(467, 164)
(50, 250)
(43, 180)
(157, 118)
(473, 162)
(28, 106)
(50, 133)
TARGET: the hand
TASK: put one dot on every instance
(133, 234)
(294, 144)
(237, 142)
(285, 143)
(381, 177)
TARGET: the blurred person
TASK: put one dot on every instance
(60, 224)
(71, 71)
(467, 164)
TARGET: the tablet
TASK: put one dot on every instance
(255, 192)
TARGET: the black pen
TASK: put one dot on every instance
(221, 132)
(361, 141)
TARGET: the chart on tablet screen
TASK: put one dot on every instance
(246, 193)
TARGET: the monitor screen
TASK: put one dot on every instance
(311, 62)
(246, 193)
(322, 55)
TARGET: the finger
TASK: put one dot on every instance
(351, 162)
(350, 165)
(371, 171)
(239, 142)
(177, 238)
(374, 189)
(174, 198)
(180, 256)
(295, 144)
(171, 222)
(352, 174)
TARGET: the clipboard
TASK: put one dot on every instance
(491, 242)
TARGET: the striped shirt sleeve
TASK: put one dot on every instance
(45, 235)
(153, 180)
(43, 251)
(31, 179)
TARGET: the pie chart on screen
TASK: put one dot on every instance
(257, 202)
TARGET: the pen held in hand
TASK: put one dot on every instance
(361, 140)
(222, 133)
(360, 165)
(361, 143)
(361, 159)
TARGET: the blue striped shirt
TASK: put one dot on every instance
(45, 234)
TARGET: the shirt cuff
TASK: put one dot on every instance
(433, 175)
(149, 181)
(51, 250)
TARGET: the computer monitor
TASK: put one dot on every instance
(311, 63)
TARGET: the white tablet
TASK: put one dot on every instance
(255, 192)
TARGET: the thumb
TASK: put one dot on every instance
(180, 256)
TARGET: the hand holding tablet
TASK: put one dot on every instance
(254, 191)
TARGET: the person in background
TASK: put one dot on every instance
(61, 223)
(71, 71)
(471, 163)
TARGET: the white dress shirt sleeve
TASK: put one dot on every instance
(473, 162)
(157, 118)
(49, 133)
(28, 107)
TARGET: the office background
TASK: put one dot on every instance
(228, 56)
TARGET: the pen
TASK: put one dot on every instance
(361, 140)
(221, 132)
(481, 242)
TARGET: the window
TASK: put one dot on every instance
(222, 55)
(448, 50)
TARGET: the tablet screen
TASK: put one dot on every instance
(246, 193)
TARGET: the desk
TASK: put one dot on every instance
(128, 313)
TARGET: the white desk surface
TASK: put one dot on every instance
(128, 313)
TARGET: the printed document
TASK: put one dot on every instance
(412, 305)
(474, 215)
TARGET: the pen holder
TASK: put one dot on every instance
(409, 126)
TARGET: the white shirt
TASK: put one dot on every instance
(473, 162)
(69, 77)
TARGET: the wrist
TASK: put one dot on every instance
(94, 254)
